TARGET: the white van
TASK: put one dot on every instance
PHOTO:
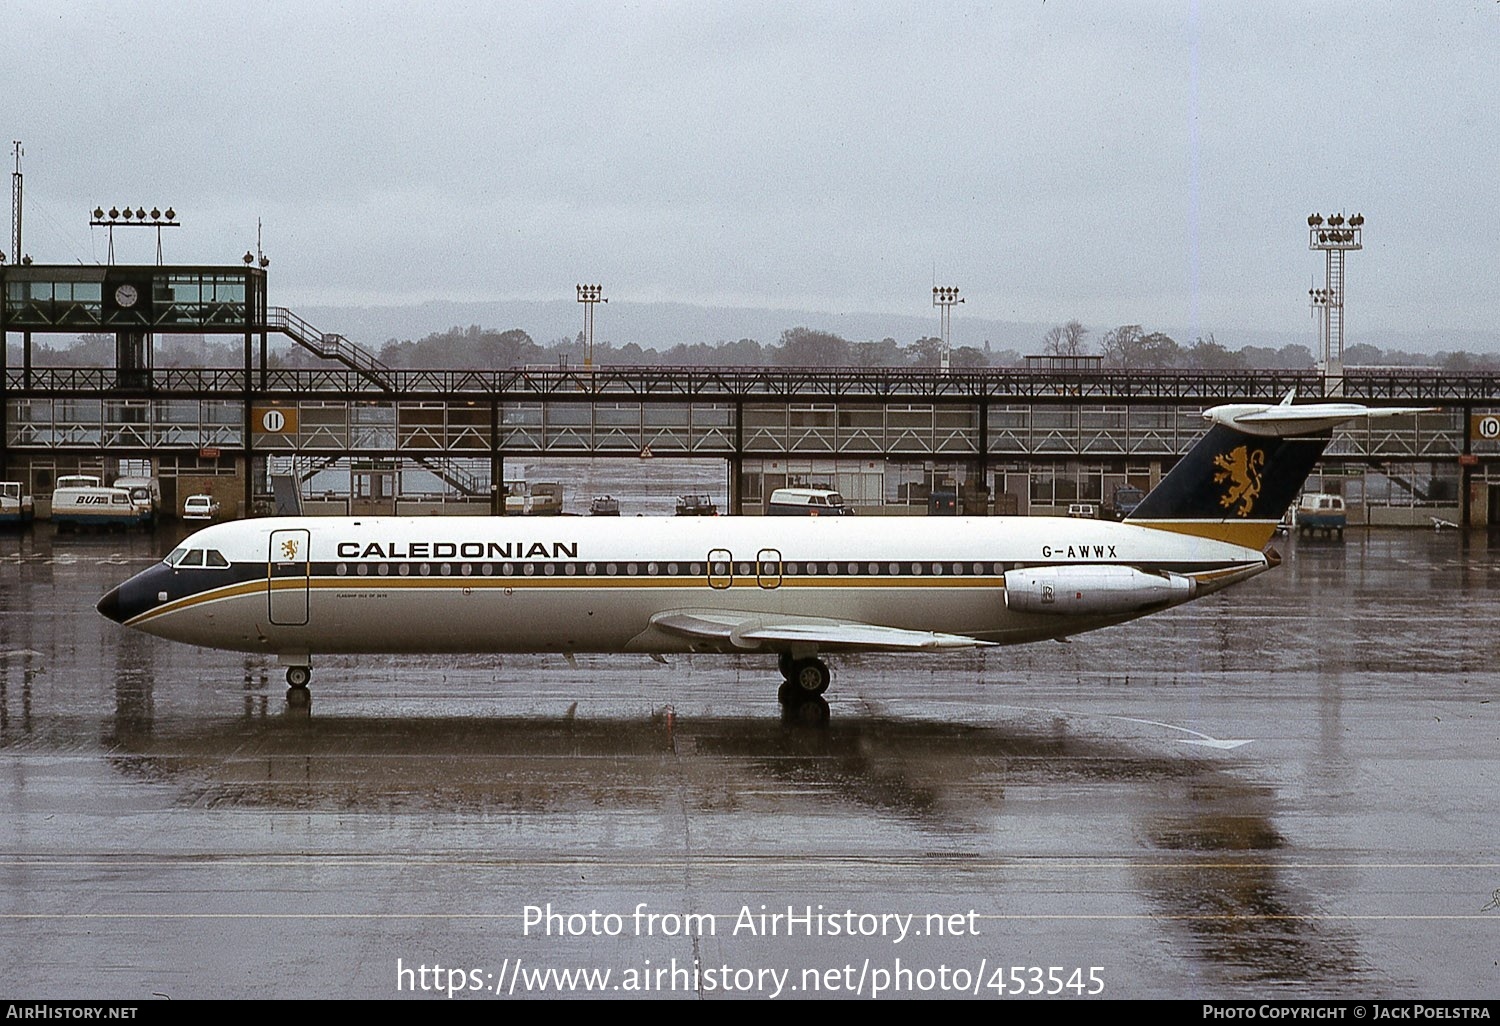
(1320, 511)
(15, 508)
(145, 494)
(807, 502)
(79, 500)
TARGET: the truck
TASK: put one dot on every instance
(1122, 502)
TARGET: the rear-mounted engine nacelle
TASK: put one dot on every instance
(1093, 590)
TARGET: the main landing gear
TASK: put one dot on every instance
(805, 678)
(297, 694)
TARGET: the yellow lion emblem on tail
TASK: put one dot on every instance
(1241, 468)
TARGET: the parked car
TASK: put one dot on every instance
(200, 507)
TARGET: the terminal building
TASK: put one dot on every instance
(364, 438)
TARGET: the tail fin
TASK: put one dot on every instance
(1238, 480)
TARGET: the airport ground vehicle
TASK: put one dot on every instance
(145, 494)
(543, 499)
(1122, 502)
(806, 502)
(15, 508)
(1321, 513)
(81, 501)
(200, 507)
(792, 588)
(696, 506)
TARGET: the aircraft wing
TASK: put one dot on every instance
(773, 632)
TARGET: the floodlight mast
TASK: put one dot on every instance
(1335, 235)
(138, 218)
(589, 296)
(944, 297)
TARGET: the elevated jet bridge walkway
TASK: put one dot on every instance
(356, 406)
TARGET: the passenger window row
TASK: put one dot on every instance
(651, 569)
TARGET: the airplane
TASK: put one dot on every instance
(796, 588)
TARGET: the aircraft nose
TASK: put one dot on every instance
(109, 606)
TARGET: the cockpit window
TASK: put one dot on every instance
(190, 559)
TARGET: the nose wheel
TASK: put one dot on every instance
(297, 693)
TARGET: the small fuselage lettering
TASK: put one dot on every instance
(1079, 552)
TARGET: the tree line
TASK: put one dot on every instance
(1126, 347)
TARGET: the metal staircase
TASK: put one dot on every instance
(467, 484)
(329, 346)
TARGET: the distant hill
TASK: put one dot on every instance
(663, 325)
(655, 325)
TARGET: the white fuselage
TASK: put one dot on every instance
(299, 586)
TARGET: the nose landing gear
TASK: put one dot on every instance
(297, 694)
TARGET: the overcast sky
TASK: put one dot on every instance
(1113, 162)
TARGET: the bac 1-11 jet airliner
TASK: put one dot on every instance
(793, 588)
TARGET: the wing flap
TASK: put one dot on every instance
(751, 631)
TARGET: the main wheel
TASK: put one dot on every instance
(784, 664)
(298, 676)
(809, 676)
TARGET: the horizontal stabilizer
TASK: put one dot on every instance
(768, 631)
(1282, 419)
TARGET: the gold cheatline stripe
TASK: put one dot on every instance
(188, 601)
(258, 586)
(1251, 534)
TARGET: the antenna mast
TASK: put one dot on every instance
(15, 205)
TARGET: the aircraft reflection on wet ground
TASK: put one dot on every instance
(1206, 857)
(171, 827)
